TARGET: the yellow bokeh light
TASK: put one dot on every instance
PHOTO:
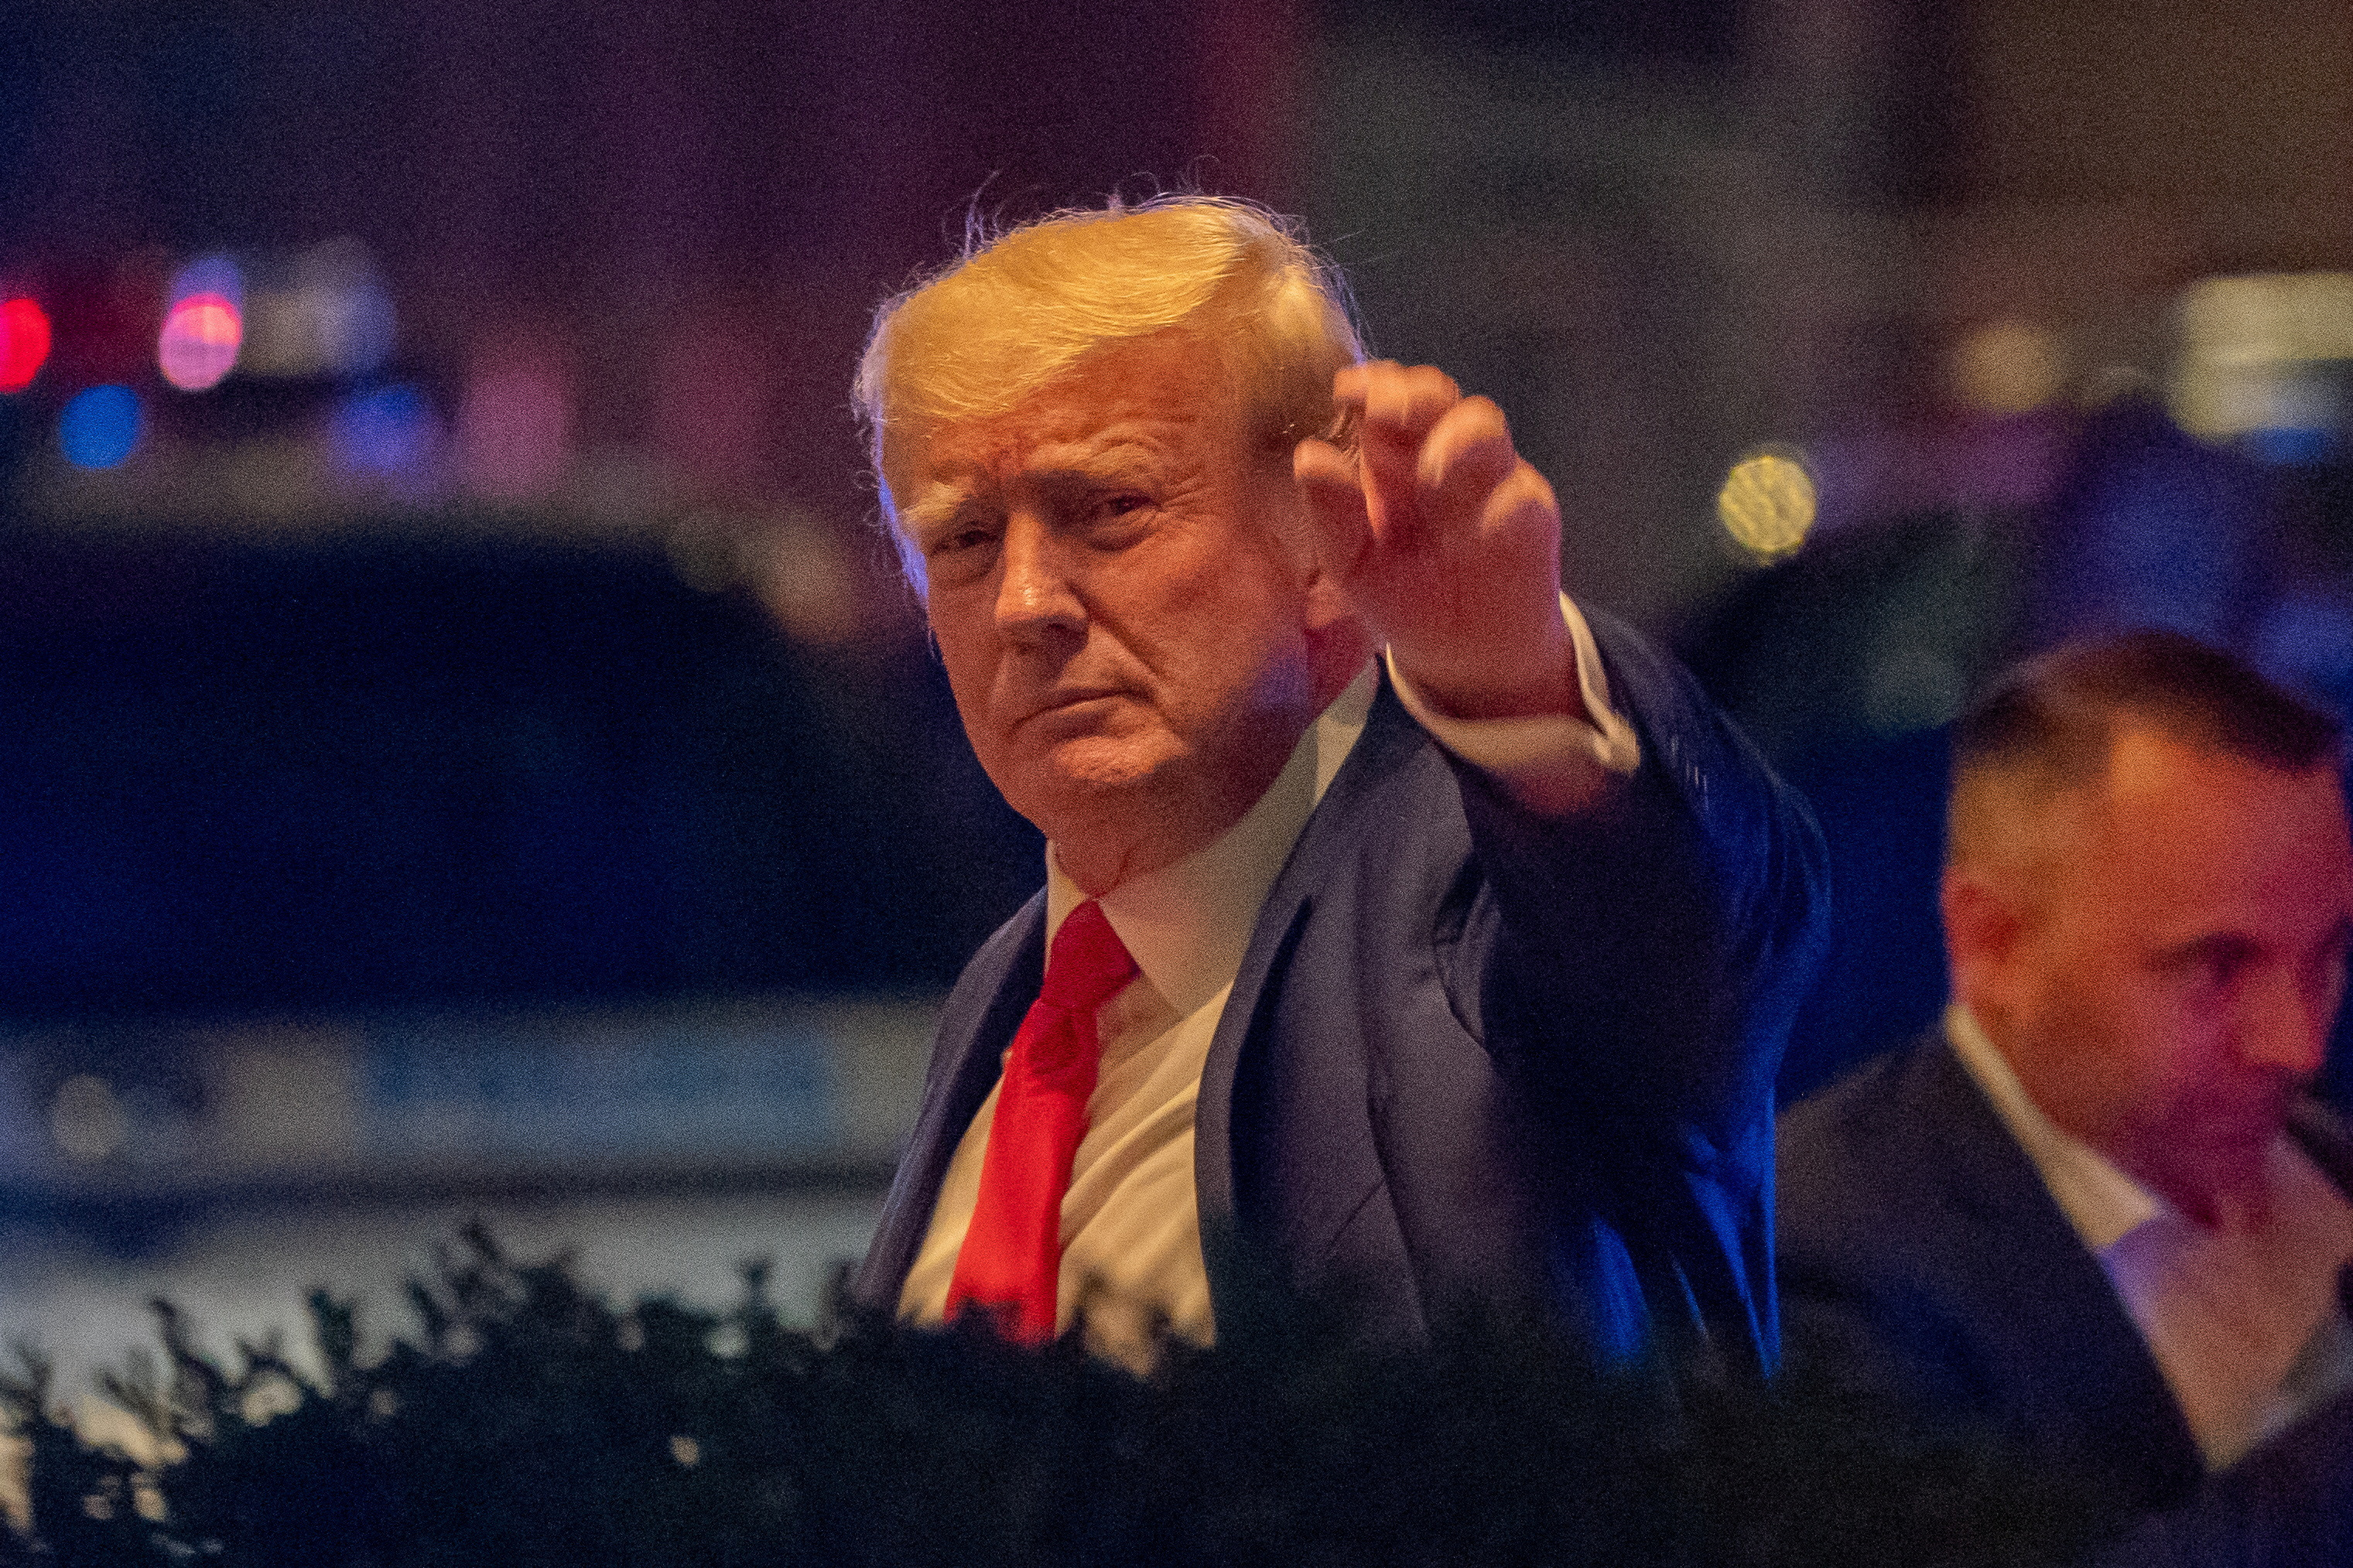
(2264, 317)
(2251, 347)
(2008, 367)
(1767, 505)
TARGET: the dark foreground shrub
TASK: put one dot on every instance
(528, 1422)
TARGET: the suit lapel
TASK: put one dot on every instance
(1333, 835)
(976, 1026)
(2079, 1356)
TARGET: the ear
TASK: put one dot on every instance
(1327, 613)
(1985, 925)
(1338, 644)
(1328, 609)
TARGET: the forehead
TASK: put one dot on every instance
(1160, 397)
(2180, 834)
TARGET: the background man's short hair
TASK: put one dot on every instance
(1023, 307)
(2066, 705)
(2048, 724)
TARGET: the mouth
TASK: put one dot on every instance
(1063, 702)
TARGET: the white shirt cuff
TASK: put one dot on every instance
(1551, 758)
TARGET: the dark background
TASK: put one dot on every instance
(319, 755)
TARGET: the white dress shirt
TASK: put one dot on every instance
(1131, 1220)
(2242, 1318)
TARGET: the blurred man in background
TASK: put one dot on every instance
(1456, 972)
(2096, 1206)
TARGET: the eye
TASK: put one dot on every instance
(1113, 507)
(962, 550)
(2216, 963)
(961, 537)
(2326, 970)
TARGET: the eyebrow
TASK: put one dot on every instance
(2234, 941)
(2206, 945)
(943, 494)
(1086, 459)
(931, 509)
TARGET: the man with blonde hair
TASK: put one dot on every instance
(1404, 928)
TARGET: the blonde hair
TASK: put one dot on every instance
(1023, 308)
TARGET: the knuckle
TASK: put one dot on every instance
(1475, 447)
(1469, 457)
(1523, 491)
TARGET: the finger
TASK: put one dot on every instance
(1523, 514)
(1403, 401)
(1335, 500)
(1348, 383)
(1468, 453)
(1400, 404)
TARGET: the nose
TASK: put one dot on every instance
(1037, 596)
(2286, 1027)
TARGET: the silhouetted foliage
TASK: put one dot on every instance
(527, 1421)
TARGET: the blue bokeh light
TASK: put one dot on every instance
(217, 274)
(384, 431)
(2292, 447)
(101, 427)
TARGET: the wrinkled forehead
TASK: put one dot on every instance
(1138, 392)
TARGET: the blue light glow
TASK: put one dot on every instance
(388, 431)
(2291, 446)
(215, 274)
(101, 427)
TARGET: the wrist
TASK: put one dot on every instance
(1526, 677)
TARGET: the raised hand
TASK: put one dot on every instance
(1446, 541)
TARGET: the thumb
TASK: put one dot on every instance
(1334, 500)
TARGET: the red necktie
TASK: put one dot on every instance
(1012, 1256)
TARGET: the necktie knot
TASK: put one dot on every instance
(1087, 963)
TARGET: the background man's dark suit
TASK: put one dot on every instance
(1921, 1252)
(1922, 1256)
(1473, 1053)
(2287, 1505)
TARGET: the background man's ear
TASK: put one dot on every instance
(1984, 922)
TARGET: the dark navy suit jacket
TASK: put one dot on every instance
(1922, 1257)
(1922, 1254)
(1475, 1054)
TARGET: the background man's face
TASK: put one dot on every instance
(1122, 618)
(2182, 976)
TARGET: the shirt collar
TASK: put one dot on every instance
(1187, 924)
(2099, 1199)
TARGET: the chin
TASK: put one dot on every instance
(1079, 780)
(2229, 1190)
(1097, 764)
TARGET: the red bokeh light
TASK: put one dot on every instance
(199, 341)
(23, 343)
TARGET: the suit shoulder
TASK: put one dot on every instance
(1395, 804)
(1847, 1148)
